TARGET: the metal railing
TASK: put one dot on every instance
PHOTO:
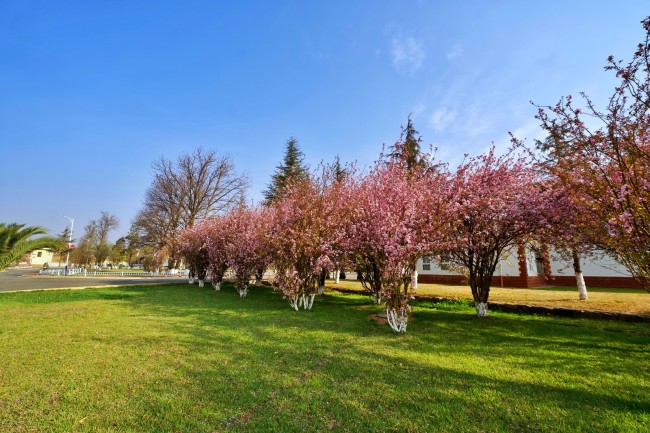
(100, 273)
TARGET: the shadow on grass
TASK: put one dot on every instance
(254, 364)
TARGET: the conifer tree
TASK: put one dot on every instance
(64, 245)
(291, 169)
(338, 171)
(407, 149)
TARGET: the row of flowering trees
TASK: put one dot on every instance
(584, 188)
(379, 223)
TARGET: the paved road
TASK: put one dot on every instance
(25, 279)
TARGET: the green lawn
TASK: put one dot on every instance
(180, 358)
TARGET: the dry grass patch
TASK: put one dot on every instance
(610, 300)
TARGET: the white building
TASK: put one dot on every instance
(528, 268)
(40, 257)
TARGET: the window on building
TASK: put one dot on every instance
(39, 254)
(426, 263)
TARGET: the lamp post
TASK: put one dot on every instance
(67, 256)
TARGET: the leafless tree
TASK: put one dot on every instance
(93, 245)
(195, 186)
(105, 224)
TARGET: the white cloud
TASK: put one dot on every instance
(479, 119)
(418, 110)
(441, 118)
(530, 131)
(456, 51)
(407, 54)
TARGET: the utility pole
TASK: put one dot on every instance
(67, 256)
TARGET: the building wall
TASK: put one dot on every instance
(527, 268)
(517, 268)
(602, 266)
(39, 257)
(598, 271)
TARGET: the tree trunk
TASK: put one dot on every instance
(338, 276)
(242, 292)
(295, 302)
(200, 283)
(322, 276)
(217, 285)
(480, 295)
(191, 280)
(580, 281)
(259, 275)
(396, 321)
(481, 309)
(414, 283)
(308, 301)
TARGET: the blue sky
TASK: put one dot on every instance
(92, 92)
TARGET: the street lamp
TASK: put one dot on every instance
(67, 256)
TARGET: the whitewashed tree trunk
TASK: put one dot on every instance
(243, 292)
(338, 276)
(396, 321)
(258, 281)
(582, 287)
(191, 280)
(481, 309)
(321, 290)
(580, 281)
(295, 303)
(414, 280)
(376, 298)
(217, 286)
(201, 283)
(308, 301)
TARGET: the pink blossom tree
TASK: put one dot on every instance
(192, 247)
(245, 249)
(336, 202)
(601, 157)
(216, 233)
(398, 216)
(498, 205)
(302, 239)
(566, 230)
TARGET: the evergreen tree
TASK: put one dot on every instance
(407, 149)
(64, 246)
(338, 171)
(291, 169)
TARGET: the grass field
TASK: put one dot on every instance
(180, 358)
(611, 300)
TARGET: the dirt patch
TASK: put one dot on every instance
(380, 319)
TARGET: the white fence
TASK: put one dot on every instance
(96, 273)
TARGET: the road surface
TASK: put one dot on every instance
(26, 279)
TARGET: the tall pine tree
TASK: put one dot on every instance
(339, 172)
(407, 149)
(291, 169)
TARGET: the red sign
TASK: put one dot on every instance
(71, 245)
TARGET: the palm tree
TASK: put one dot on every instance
(15, 242)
